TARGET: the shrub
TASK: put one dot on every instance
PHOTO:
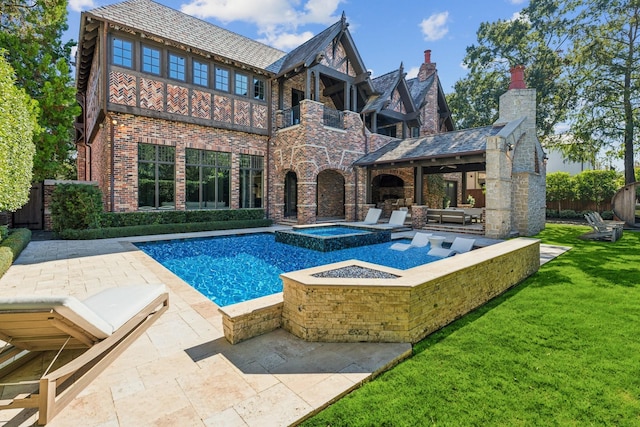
(143, 230)
(4, 232)
(552, 213)
(608, 215)
(128, 219)
(569, 213)
(12, 246)
(76, 206)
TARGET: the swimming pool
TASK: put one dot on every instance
(233, 269)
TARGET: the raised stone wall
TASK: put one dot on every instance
(251, 318)
(406, 309)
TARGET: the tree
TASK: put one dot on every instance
(560, 187)
(596, 185)
(606, 48)
(535, 40)
(31, 33)
(18, 124)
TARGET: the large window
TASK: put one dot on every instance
(150, 60)
(122, 53)
(251, 169)
(258, 89)
(156, 176)
(177, 67)
(208, 180)
(222, 79)
(200, 74)
(242, 83)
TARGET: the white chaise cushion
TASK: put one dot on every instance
(117, 305)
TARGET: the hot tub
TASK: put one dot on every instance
(331, 237)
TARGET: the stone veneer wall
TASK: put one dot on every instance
(407, 309)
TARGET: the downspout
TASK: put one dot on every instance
(270, 127)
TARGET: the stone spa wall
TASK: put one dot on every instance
(402, 306)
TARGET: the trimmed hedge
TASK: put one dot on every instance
(144, 230)
(126, 219)
(12, 246)
(76, 206)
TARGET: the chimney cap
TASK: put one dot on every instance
(427, 56)
(517, 77)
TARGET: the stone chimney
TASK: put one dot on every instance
(427, 68)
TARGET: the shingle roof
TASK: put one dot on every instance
(447, 144)
(384, 85)
(419, 89)
(161, 21)
(307, 51)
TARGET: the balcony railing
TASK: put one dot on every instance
(330, 117)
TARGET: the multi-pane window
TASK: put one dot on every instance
(251, 171)
(122, 53)
(177, 67)
(222, 79)
(242, 83)
(150, 60)
(208, 182)
(200, 74)
(258, 89)
(156, 176)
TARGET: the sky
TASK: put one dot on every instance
(387, 33)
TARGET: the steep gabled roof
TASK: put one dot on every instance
(310, 52)
(384, 86)
(161, 21)
(448, 144)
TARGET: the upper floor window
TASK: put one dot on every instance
(222, 79)
(200, 74)
(176, 67)
(150, 60)
(242, 83)
(122, 53)
(258, 89)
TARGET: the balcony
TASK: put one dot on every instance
(291, 117)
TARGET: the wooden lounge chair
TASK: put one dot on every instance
(602, 231)
(460, 245)
(104, 324)
(420, 240)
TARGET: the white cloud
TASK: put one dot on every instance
(517, 1)
(80, 5)
(277, 21)
(435, 26)
(412, 72)
(285, 41)
(517, 16)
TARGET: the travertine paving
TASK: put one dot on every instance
(182, 371)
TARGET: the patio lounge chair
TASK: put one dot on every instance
(104, 324)
(396, 220)
(420, 240)
(373, 215)
(460, 245)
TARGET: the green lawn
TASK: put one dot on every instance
(560, 349)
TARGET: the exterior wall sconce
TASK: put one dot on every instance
(509, 146)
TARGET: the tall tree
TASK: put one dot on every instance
(31, 33)
(536, 39)
(606, 48)
(18, 123)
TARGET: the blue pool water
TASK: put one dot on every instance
(233, 269)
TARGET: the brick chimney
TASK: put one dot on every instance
(517, 78)
(427, 68)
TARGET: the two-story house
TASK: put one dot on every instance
(178, 113)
